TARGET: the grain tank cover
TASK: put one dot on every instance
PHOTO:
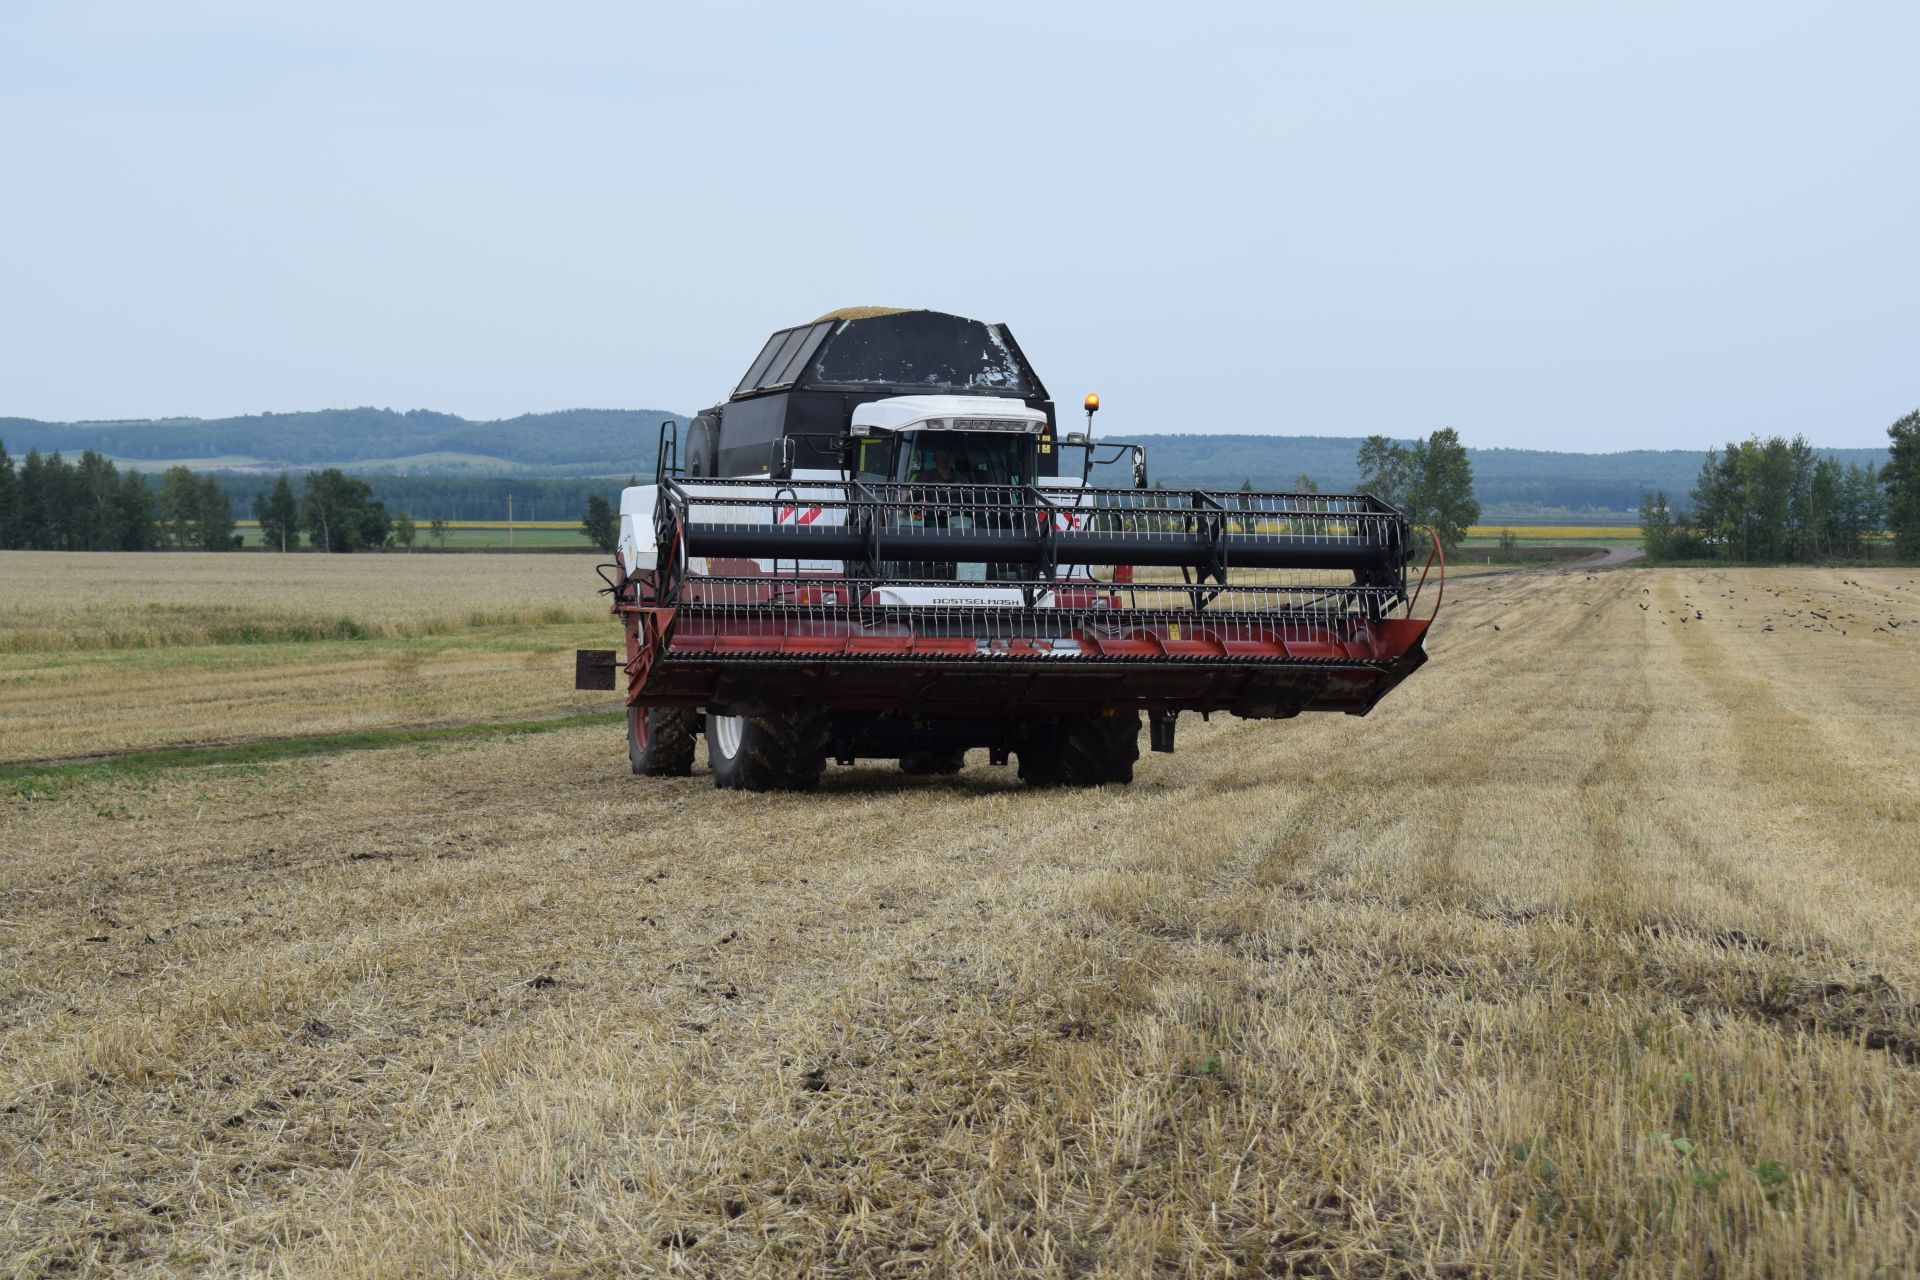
(908, 351)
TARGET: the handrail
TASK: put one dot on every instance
(1438, 552)
(667, 445)
(1232, 502)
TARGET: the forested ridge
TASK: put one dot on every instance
(1505, 480)
(1767, 501)
(420, 460)
(571, 441)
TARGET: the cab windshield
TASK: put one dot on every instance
(964, 457)
(929, 461)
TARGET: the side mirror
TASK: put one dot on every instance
(1139, 467)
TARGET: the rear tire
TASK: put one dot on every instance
(1081, 751)
(934, 763)
(660, 741)
(786, 752)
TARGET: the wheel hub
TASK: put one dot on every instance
(725, 733)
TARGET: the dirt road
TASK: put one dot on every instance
(1611, 558)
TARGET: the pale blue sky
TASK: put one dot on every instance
(1572, 226)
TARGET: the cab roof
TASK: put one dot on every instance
(946, 413)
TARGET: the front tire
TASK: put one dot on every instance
(660, 741)
(786, 752)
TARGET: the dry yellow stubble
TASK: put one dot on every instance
(1592, 952)
(103, 653)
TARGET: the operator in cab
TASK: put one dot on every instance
(961, 457)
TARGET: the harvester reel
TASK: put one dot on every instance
(815, 606)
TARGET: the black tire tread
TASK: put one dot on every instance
(784, 752)
(670, 744)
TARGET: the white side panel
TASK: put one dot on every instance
(637, 549)
(960, 594)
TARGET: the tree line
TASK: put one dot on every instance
(1769, 500)
(1430, 481)
(1779, 501)
(53, 505)
(336, 512)
(453, 497)
(50, 504)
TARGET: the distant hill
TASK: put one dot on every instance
(371, 441)
(621, 442)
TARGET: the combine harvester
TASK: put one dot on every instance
(881, 547)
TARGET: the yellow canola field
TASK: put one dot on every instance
(517, 524)
(1536, 532)
(468, 524)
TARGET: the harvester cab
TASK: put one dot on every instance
(871, 551)
(949, 456)
(949, 439)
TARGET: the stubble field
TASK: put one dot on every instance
(1593, 951)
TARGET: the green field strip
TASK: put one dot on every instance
(43, 778)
